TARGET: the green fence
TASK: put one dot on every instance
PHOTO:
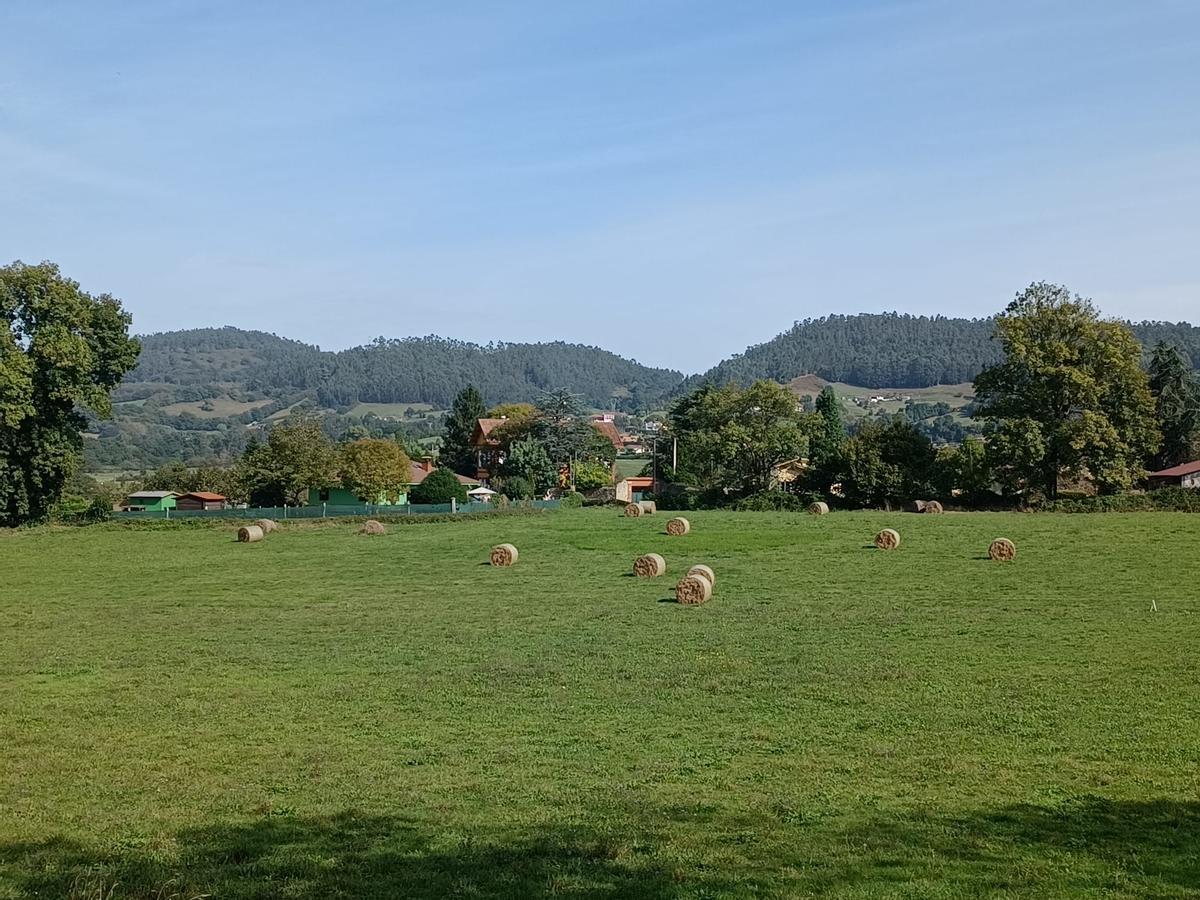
(325, 511)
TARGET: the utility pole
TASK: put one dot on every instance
(654, 458)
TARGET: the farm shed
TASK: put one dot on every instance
(200, 500)
(1184, 475)
(634, 488)
(151, 501)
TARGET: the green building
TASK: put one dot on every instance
(151, 501)
(339, 496)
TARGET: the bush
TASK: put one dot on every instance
(592, 475)
(571, 500)
(99, 510)
(1161, 500)
(517, 487)
(439, 486)
(773, 501)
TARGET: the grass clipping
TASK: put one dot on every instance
(504, 555)
(678, 526)
(249, 534)
(1002, 549)
(888, 539)
(693, 590)
(649, 566)
(371, 526)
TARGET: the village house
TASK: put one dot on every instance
(489, 448)
(419, 470)
(1185, 475)
(788, 475)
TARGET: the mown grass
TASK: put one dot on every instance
(327, 715)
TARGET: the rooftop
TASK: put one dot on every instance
(1187, 468)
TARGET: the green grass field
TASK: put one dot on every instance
(389, 410)
(328, 715)
(631, 467)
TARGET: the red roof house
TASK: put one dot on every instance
(200, 500)
(1184, 475)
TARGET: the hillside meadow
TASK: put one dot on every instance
(329, 715)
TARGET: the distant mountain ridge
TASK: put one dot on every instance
(420, 370)
(199, 395)
(895, 350)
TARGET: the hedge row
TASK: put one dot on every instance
(1161, 500)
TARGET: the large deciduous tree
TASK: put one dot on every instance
(465, 412)
(1070, 398)
(528, 460)
(888, 464)
(1176, 406)
(373, 468)
(732, 438)
(297, 456)
(62, 351)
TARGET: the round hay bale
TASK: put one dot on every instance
(649, 566)
(704, 572)
(504, 555)
(917, 506)
(932, 507)
(267, 525)
(678, 526)
(649, 507)
(633, 510)
(1002, 549)
(693, 590)
(371, 526)
(888, 539)
(248, 534)
(820, 508)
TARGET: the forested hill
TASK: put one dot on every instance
(199, 395)
(893, 350)
(209, 362)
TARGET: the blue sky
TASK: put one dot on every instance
(669, 180)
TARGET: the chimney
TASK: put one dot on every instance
(427, 464)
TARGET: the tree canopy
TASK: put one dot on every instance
(297, 456)
(1069, 397)
(465, 412)
(730, 439)
(439, 486)
(1176, 406)
(887, 464)
(374, 468)
(62, 350)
